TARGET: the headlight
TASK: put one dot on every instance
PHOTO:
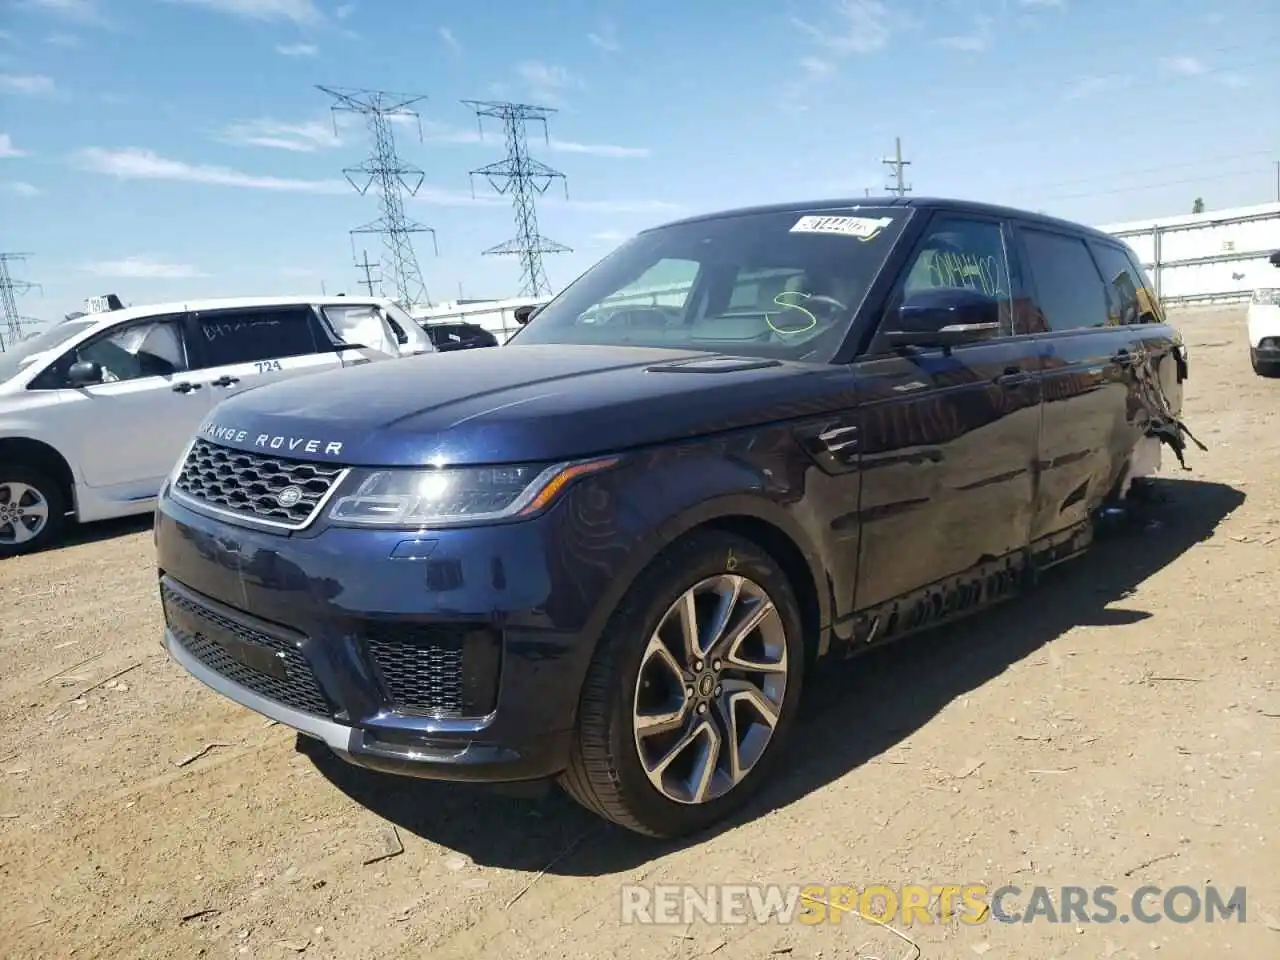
(453, 496)
(1264, 295)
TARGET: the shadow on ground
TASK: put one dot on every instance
(106, 530)
(856, 711)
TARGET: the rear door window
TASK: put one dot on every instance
(1069, 290)
(229, 337)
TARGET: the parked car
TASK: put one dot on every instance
(459, 335)
(95, 410)
(1264, 327)
(613, 553)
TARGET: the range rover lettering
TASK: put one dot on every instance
(612, 552)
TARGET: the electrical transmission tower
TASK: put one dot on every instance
(523, 177)
(9, 289)
(898, 165)
(369, 281)
(393, 178)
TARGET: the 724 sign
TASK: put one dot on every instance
(265, 366)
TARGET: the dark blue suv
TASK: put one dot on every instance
(611, 550)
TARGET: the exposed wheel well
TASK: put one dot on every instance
(783, 549)
(41, 456)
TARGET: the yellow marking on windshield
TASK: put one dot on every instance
(813, 321)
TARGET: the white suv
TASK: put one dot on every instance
(1264, 327)
(95, 410)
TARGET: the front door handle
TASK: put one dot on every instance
(225, 381)
(1126, 359)
(185, 387)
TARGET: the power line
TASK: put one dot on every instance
(393, 178)
(523, 177)
(9, 290)
(897, 164)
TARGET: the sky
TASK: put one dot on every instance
(172, 149)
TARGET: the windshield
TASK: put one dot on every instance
(783, 285)
(18, 355)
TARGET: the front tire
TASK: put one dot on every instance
(33, 510)
(692, 691)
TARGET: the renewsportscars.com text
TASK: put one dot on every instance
(928, 904)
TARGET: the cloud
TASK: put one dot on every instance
(297, 49)
(615, 206)
(975, 41)
(597, 149)
(306, 137)
(7, 149)
(1043, 4)
(450, 40)
(606, 38)
(135, 163)
(344, 11)
(1186, 66)
(611, 237)
(861, 26)
(303, 12)
(142, 268)
(1234, 80)
(31, 85)
(22, 188)
(816, 66)
(545, 81)
(65, 40)
(1086, 86)
(76, 11)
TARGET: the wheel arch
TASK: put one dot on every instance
(44, 457)
(765, 524)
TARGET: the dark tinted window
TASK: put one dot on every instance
(958, 253)
(768, 284)
(1069, 290)
(1122, 285)
(243, 336)
(153, 348)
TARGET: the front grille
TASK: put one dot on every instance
(250, 484)
(446, 671)
(224, 645)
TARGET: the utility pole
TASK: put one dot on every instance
(523, 177)
(391, 178)
(368, 282)
(9, 289)
(897, 164)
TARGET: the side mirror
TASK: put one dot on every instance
(945, 318)
(83, 373)
(1275, 259)
(526, 313)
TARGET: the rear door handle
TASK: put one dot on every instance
(185, 387)
(225, 381)
(1012, 378)
(1126, 359)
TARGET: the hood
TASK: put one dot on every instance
(519, 404)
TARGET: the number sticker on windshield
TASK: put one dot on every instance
(863, 228)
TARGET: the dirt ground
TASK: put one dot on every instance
(1119, 726)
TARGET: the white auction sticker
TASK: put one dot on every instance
(864, 228)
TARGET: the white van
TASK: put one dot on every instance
(95, 410)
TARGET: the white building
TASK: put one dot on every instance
(1215, 255)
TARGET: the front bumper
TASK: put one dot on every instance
(462, 663)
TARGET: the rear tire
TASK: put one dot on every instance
(33, 508)
(1264, 368)
(647, 691)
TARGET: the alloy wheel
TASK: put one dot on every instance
(710, 689)
(24, 513)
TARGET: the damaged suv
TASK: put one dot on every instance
(611, 552)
